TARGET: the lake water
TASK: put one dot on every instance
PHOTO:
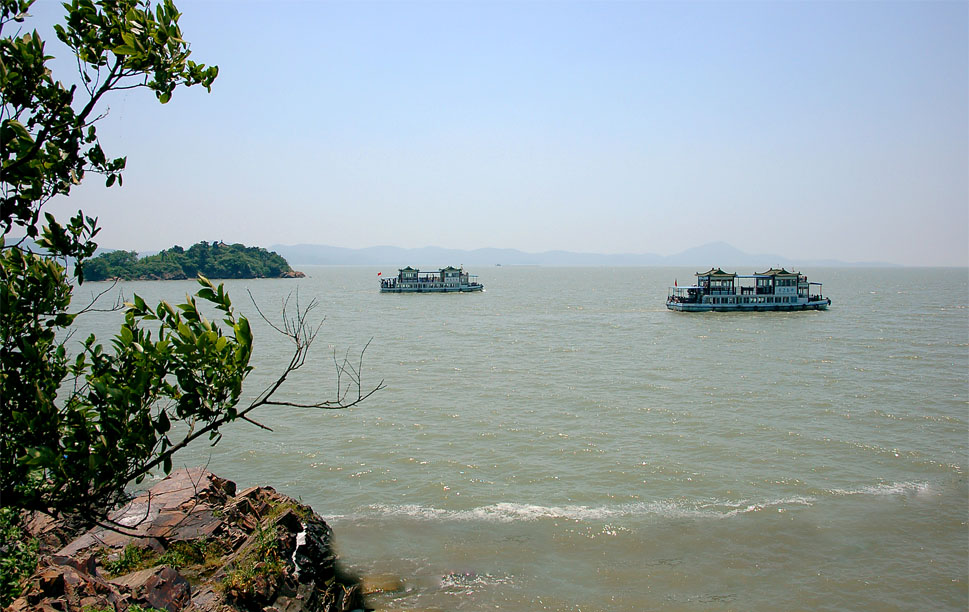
(561, 441)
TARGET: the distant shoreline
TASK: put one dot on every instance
(719, 253)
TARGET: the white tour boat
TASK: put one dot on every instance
(446, 280)
(774, 289)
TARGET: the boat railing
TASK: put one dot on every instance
(685, 295)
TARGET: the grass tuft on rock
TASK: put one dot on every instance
(257, 571)
(197, 556)
(18, 556)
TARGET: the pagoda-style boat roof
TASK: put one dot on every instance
(777, 272)
(716, 272)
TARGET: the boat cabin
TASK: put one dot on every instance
(774, 289)
(412, 280)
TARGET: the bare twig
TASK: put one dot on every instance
(118, 303)
(256, 423)
(133, 531)
(302, 335)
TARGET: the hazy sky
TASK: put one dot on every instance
(807, 129)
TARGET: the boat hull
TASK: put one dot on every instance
(699, 307)
(431, 289)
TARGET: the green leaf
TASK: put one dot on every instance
(162, 425)
(243, 333)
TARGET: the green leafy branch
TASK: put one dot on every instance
(46, 146)
(171, 376)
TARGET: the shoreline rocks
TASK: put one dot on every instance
(182, 276)
(193, 542)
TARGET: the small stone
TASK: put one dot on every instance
(51, 582)
(159, 587)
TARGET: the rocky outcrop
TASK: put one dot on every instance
(193, 543)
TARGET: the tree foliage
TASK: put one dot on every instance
(77, 427)
(48, 137)
(216, 260)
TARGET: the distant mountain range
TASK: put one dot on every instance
(718, 254)
(714, 254)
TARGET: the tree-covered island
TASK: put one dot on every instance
(215, 260)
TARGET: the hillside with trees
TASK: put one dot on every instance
(215, 260)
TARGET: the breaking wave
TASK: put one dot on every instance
(509, 512)
(895, 488)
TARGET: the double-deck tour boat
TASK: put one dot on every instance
(446, 280)
(774, 289)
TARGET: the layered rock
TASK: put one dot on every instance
(193, 542)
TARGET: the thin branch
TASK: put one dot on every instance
(256, 423)
(135, 86)
(118, 305)
(110, 525)
(344, 368)
(326, 405)
(298, 330)
(133, 531)
(264, 317)
(89, 84)
(106, 112)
